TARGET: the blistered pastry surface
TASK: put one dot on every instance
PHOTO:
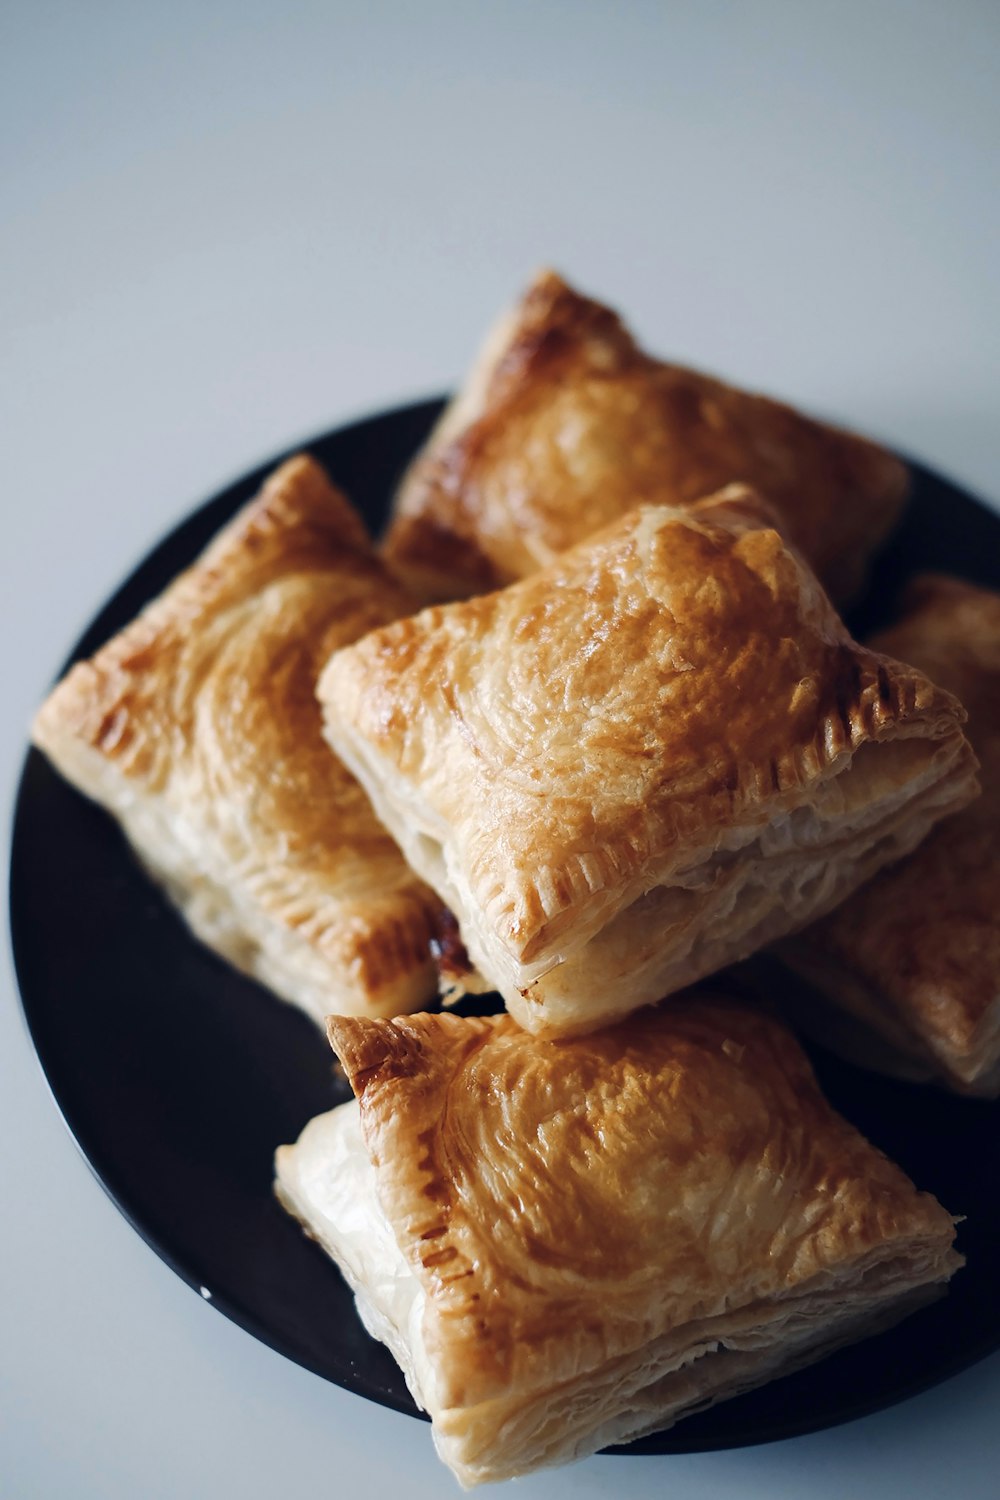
(198, 726)
(563, 1203)
(565, 424)
(653, 698)
(918, 950)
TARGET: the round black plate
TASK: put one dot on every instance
(178, 1077)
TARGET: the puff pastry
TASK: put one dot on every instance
(565, 424)
(644, 762)
(198, 728)
(912, 961)
(571, 1244)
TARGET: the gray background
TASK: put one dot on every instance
(227, 226)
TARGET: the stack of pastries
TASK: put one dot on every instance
(585, 730)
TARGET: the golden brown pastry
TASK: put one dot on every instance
(571, 1244)
(644, 762)
(198, 728)
(914, 957)
(565, 424)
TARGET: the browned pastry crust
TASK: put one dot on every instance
(646, 761)
(565, 424)
(585, 1240)
(915, 956)
(198, 727)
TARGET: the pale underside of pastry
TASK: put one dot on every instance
(198, 728)
(645, 762)
(565, 424)
(571, 1244)
(911, 964)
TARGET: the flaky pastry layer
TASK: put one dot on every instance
(197, 727)
(565, 424)
(913, 959)
(570, 1244)
(646, 761)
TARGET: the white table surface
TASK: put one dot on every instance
(224, 227)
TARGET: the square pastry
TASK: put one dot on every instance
(198, 728)
(565, 424)
(571, 1244)
(644, 762)
(911, 963)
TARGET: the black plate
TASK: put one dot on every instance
(178, 1077)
